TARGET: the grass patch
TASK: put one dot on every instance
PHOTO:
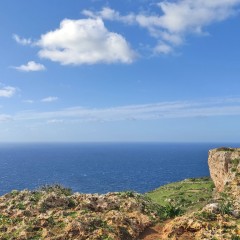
(235, 162)
(189, 194)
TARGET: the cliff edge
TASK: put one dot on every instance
(224, 166)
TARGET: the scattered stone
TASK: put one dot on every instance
(212, 208)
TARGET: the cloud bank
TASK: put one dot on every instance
(155, 111)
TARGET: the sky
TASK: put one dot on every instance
(120, 71)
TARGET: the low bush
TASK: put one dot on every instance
(57, 188)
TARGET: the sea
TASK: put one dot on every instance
(101, 167)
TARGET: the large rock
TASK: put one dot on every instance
(224, 166)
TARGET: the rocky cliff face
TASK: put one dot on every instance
(224, 166)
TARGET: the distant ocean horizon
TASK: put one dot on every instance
(101, 167)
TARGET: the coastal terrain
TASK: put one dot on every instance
(196, 208)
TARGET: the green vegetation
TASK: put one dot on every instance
(236, 237)
(225, 208)
(127, 194)
(189, 194)
(226, 149)
(206, 216)
(171, 210)
(235, 162)
(234, 169)
(36, 196)
(57, 188)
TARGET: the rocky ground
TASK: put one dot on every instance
(55, 213)
(184, 211)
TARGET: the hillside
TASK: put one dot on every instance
(219, 217)
(54, 212)
(190, 209)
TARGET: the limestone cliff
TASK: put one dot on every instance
(224, 166)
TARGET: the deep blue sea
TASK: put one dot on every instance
(101, 167)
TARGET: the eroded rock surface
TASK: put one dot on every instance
(224, 166)
(53, 213)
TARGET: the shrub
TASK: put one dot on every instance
(36, 196)
(171, 211)
(128, 194)
(207, 216)
(226, 149)
(71, 203)
(225, 208)
(57, 188)
(235, 237)
(235, 162)
(21, 206)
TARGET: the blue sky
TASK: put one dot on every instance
(143, 70)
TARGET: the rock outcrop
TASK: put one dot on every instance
(224, 166)
(54, 213)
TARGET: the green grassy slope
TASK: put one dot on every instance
(189, 194)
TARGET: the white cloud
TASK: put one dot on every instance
(110, 14)
(22, 41)
(161, 110)
(193, 15)
(176, 20)
(31, 67)
(49, 99)
(84, 41)
(163, 48)
(185, 17)
(7, 91)
(88, 41)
